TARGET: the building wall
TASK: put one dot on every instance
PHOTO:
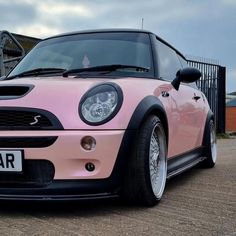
(231, 119)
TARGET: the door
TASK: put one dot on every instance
(184, 107)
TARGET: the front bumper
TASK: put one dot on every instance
(71, 180)
(64, 190)
(66, 153)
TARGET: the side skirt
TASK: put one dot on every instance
(183, 162)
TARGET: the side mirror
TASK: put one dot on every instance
(186, 75)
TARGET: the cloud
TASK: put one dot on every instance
(15, 13)
(64, 16)
(229, 2)
(200, 28)
(40, 30)
(60, 9)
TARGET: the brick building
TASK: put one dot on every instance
(231, 115)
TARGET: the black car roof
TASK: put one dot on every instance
(117, 30)
(102, 31)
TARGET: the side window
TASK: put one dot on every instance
(184, 65)
(168, 61)
(183, 62)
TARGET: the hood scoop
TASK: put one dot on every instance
(14, 91)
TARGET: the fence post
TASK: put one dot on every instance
(2, 71)
(221, 100)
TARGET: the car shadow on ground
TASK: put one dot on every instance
(85, 207)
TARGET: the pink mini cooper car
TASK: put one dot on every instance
(103, 113)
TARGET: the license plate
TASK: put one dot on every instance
(10, 161)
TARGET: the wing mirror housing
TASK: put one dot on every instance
(186, 75)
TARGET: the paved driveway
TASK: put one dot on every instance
(199, 202)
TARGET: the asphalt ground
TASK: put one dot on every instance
(198, 202)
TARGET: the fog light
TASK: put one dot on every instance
(88, 143)
(89, 166)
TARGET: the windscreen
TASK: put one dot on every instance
(90, 50)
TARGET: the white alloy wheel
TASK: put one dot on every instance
(213, 142)
(157, 162)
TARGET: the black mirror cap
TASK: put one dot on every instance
(186, 75)
(189, 75)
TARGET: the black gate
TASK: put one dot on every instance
(212, 84)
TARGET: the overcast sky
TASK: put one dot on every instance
(203, 28)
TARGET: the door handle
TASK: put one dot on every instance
(195, 97)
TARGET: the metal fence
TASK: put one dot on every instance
(212, 84)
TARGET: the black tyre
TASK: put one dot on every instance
(146, 173)
(210, 146)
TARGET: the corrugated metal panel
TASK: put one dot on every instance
(10, 50)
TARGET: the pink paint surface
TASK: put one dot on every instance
(61, 96)
(67, 155)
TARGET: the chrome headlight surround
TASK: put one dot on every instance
(100, 104)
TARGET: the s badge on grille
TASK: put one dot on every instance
(36, 120)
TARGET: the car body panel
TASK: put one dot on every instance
(185, 118)
(61, 97)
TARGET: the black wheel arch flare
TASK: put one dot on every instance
(148, 106)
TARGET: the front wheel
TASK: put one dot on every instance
(147, 169)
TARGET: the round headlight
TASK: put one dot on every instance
(100, 104)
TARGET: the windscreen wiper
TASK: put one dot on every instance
(109, 68)
(37, 71)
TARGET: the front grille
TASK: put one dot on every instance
(27, 119)
(27, 142)
(22, 119)
(36, 173)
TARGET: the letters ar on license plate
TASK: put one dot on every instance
(10, 161)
